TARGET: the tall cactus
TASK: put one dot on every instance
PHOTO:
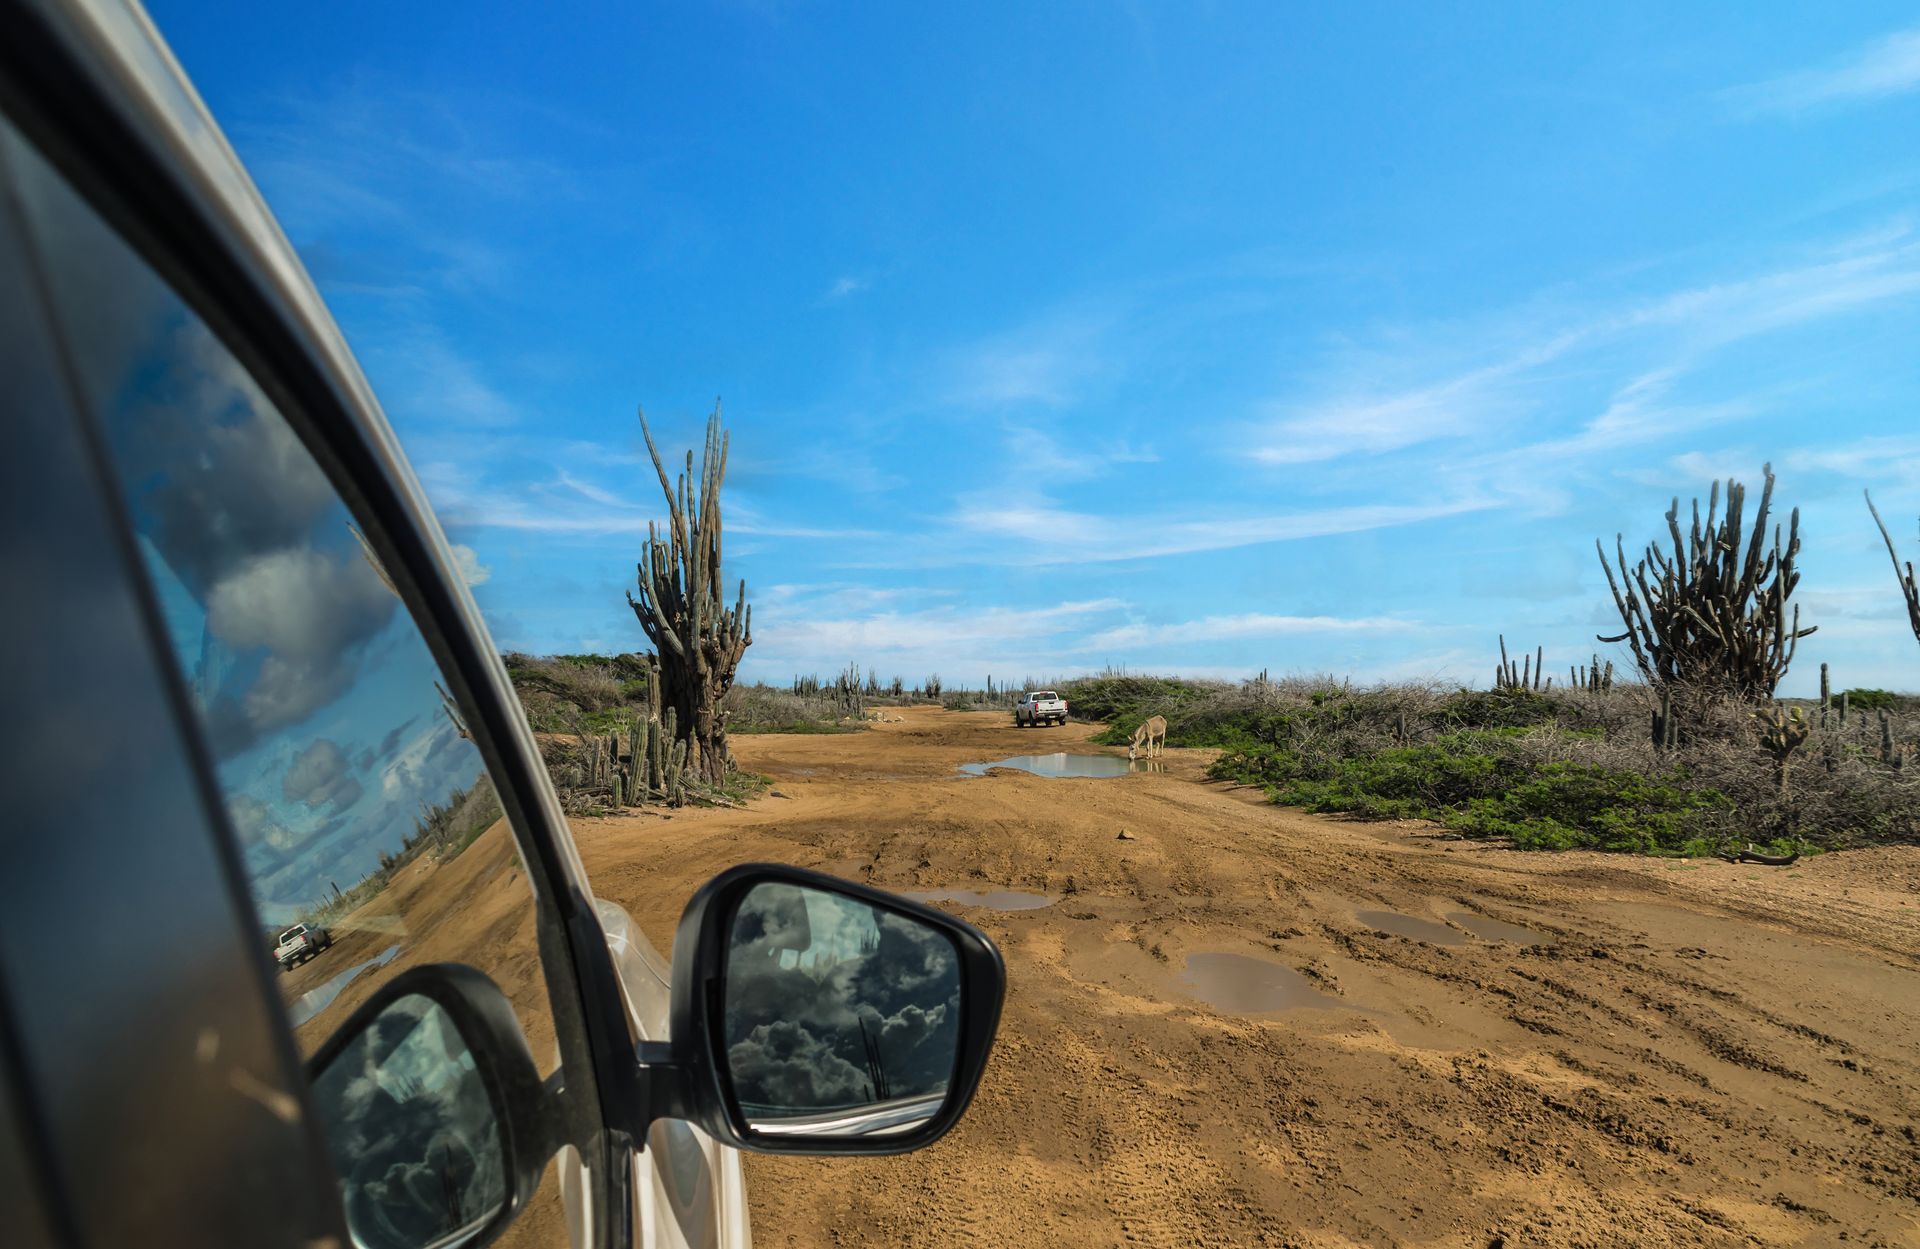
(1521, 676)
(682, 607)
(1708, 616)
(1594, 679)
(1909, 586)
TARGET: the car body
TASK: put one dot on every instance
(300, 943)
(190, 436)
(1040, 707)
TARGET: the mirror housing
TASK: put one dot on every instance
(523, 1114)
(692, 1075)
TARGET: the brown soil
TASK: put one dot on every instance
(1701, 1054)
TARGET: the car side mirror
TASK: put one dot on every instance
(812, 1015)
(433, 1111)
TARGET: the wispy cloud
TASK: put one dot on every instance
(1247, 625)
(426, 381)
(952, 636)
(1042, 533)
(844, 287)
(468, 494)
(1045, 363)
(1659, 339)
(1039, 453)
(1889, 65)
(1893, 457)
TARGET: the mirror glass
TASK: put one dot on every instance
(415, 1138)
(841, 1019)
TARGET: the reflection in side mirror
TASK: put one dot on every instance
(815, 1015)
(840, 1019)
(432, 1111)
(419, 1151)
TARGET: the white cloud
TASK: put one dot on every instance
(1034, 451)
(1893, 457)
(1449, 407)
(1236, 627)
(1890, 65)
(426, 380)
(467, 561)
(844, 286)
(1042, 533)
(1044, 364)
(1656, 340)
(948, 638)
(463, 500)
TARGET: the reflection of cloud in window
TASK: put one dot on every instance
(427, 765)
(320, 777)
(312, 614)
(299, 657)
(220, 477)
(257, 825)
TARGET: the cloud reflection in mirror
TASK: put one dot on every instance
(840, 1018)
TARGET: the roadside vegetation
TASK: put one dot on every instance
(1695, 757)
(1688, 752)
(440, 833)
(1545, 770)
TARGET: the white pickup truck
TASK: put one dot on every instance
(1040, 707)
(300, 943)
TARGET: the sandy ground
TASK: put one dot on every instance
(1697, 1054)
(1692, 1053)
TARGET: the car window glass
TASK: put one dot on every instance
(370, 833)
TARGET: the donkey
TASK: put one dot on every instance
(1154, 733)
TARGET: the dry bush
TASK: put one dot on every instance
(1417, 748)
(767, 709)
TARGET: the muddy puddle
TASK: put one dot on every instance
(1431, 931)
(315, 1000)
(996, 900)
(1061, 764)
(1489, 929)
(1252, 986)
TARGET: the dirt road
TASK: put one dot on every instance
(1691, 1053)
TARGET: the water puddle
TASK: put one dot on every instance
(1431, 931)
(1244, 985)
(313, 1001)
(1062, 764)
(996, 900)
(1489, 929)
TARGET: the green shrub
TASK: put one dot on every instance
(1487, 709)
(1873, 700)
(1481, 783)
(1565, 806)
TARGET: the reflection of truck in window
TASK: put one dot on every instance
(300, 943)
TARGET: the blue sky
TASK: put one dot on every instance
(1191, 338)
